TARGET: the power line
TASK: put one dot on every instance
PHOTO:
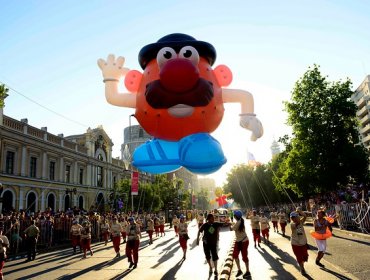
(46, 108)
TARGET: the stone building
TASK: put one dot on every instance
(40, 170)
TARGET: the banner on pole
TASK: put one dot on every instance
(134, 183)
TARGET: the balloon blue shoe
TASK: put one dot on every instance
(201, 153)
(157, 156)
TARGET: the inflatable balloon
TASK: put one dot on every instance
(178, 99)
(221, 198)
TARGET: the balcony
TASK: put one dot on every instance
(362, 101)
(365, 120)
(365, 130)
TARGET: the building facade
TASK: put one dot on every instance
(39, 170)
(361, 97)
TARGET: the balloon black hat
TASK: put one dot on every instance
(176, 41)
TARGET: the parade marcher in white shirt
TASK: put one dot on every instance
(116, 230)
(150, 229)
(265, 226)
(200, 220)
(256, 230)
(124, 225)
(274, 219)
(241, 243)
(133, 242)
(104, 229)
(298, 238)
(76, 235)
(282, 221)
(183, 235)
(175, 222)
(161, 225)
(4, 246)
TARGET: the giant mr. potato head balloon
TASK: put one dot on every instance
(179, 101)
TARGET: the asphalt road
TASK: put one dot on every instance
(348, 257)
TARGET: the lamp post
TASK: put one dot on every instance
(130, 139)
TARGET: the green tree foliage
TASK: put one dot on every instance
(3, 95)
(252, 186)
(323, 152)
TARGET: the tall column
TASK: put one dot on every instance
(61, 170)
(88, 175)
(21, 199)
(24, 161)
(60, 201)
(75, 173)
(44, 165)
(42, 200)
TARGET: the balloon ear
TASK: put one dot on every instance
(223, 75)
(133, 80)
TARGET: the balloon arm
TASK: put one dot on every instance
(119, 99)
(229, 194)
(243, 97)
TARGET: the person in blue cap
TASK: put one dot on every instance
(241, 244)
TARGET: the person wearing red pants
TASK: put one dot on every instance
(150, 229)
(124, 225)
(274, 219)
(256, 230)
(4, 241)
(162, 221)
(104, 229)
(116, 230)
(75, 235)
(183, 235)
(282, 220)
(265, 227)
(175, 222)
(241, 244)
(86, 238)
(133, 242)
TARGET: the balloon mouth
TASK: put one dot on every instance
(180, 111)
(159, 97)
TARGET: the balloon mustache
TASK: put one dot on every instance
(159, 97)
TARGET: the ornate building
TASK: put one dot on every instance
(40, 170)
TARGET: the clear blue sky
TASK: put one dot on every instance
(49, 49)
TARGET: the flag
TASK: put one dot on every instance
(251, 160)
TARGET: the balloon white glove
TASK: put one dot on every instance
(112, 69)
(250, 122)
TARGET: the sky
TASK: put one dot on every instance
(49, 49)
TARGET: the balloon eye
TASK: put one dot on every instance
(164, 55)
(190, 53)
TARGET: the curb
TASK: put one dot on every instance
(227, 267)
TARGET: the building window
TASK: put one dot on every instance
(100, 176)
(52, 170)
(33, 164)
(9, 162)
(141, 133)
(81, 176)
(68, 174)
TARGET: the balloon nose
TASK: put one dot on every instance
(179, 75)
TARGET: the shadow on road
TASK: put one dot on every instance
(276, 265)
(122, 275)
(352, 239)
(170, 274)
(338, 275)
(167, 253)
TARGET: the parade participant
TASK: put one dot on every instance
(298, 238)
(133, 242)
(200, 220)
(116, 230)
(241, 243)
(105, 229)
(161, 225)
(321, 226)
(282, 221)
(86, 238)
(255, 224)
(274, 219)
(156, 226)
(150, 229)
(210, 232)
(4, 246)
(183, 235)
(32, 234)
(265, 226)
(175, 222)
(124, 225)
(76, 235)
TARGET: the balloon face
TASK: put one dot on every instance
(179, 97)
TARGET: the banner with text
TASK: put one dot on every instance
(135, 183)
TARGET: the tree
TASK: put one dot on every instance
(251, 186)
(3, 95)
(323, 152)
